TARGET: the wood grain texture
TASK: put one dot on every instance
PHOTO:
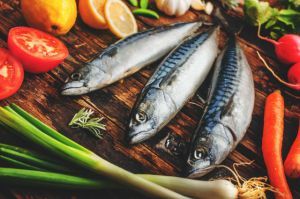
(40, 96)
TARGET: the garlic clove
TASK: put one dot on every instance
(198, 5)
(209, 7)
(183, 7)
(169, 7)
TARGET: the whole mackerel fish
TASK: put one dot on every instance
(173, 83)
(228, 114)
(127, 56)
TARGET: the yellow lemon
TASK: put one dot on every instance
(53, 16)
(119, 18)
(92, 13)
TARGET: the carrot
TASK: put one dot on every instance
(292, 162)
(272, 144)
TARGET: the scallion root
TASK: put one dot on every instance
(253, 188)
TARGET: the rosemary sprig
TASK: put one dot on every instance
(83, 119)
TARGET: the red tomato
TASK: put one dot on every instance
(11, 74)
(38, 51)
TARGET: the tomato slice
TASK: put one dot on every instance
(38, 51)
(11, 74)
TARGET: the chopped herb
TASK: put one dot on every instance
(83, 119)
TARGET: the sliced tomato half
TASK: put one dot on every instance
(11, 74)
(38, 51)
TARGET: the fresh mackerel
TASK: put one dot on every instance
(174, 82)
(227, 115)
(127, 57)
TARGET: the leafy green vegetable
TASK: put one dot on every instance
(277, 22)
(257, 12)
(83, 119)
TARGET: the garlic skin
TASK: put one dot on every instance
(173, 7)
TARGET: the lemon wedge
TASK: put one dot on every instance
(119, 18)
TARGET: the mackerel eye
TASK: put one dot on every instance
(76, 76)
(200, 153)
(141, 117)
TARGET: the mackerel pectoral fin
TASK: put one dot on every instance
(227, 108)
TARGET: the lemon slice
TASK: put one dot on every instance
(119, 18)
(92, 13)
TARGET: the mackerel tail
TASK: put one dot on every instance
(228, 114)
(127, 56)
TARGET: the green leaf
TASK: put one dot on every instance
(257, 12)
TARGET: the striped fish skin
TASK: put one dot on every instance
(173, 83)
(227, 115)
(127, 57)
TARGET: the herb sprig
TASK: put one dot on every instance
(83, 119)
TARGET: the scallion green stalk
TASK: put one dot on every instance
(57, 145)
(221, 189)
(33, 178)
(45, 128)
(18, 164)
(28, 157)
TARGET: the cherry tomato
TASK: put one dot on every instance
(11, 74)
(38, 51)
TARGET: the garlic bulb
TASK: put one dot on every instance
(173, 7)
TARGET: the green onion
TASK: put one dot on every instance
(59, 145)
(144, 4)
(18, 164)
(146, 13)
(27, 157)
(134, 3)
(44, 128)
(49, 180)
(221, 189)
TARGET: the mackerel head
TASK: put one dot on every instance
(227, 115)
(127, 56)
(173, 83)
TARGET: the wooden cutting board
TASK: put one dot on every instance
(40, 95)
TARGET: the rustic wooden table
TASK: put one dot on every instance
(40, 95)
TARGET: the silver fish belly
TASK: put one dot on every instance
(173, 83)
(227, 115)
(127, 57)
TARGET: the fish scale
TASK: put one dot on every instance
(177, 58)
(172, 85)
(226, 86)
(228, 114)
(127, 56)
